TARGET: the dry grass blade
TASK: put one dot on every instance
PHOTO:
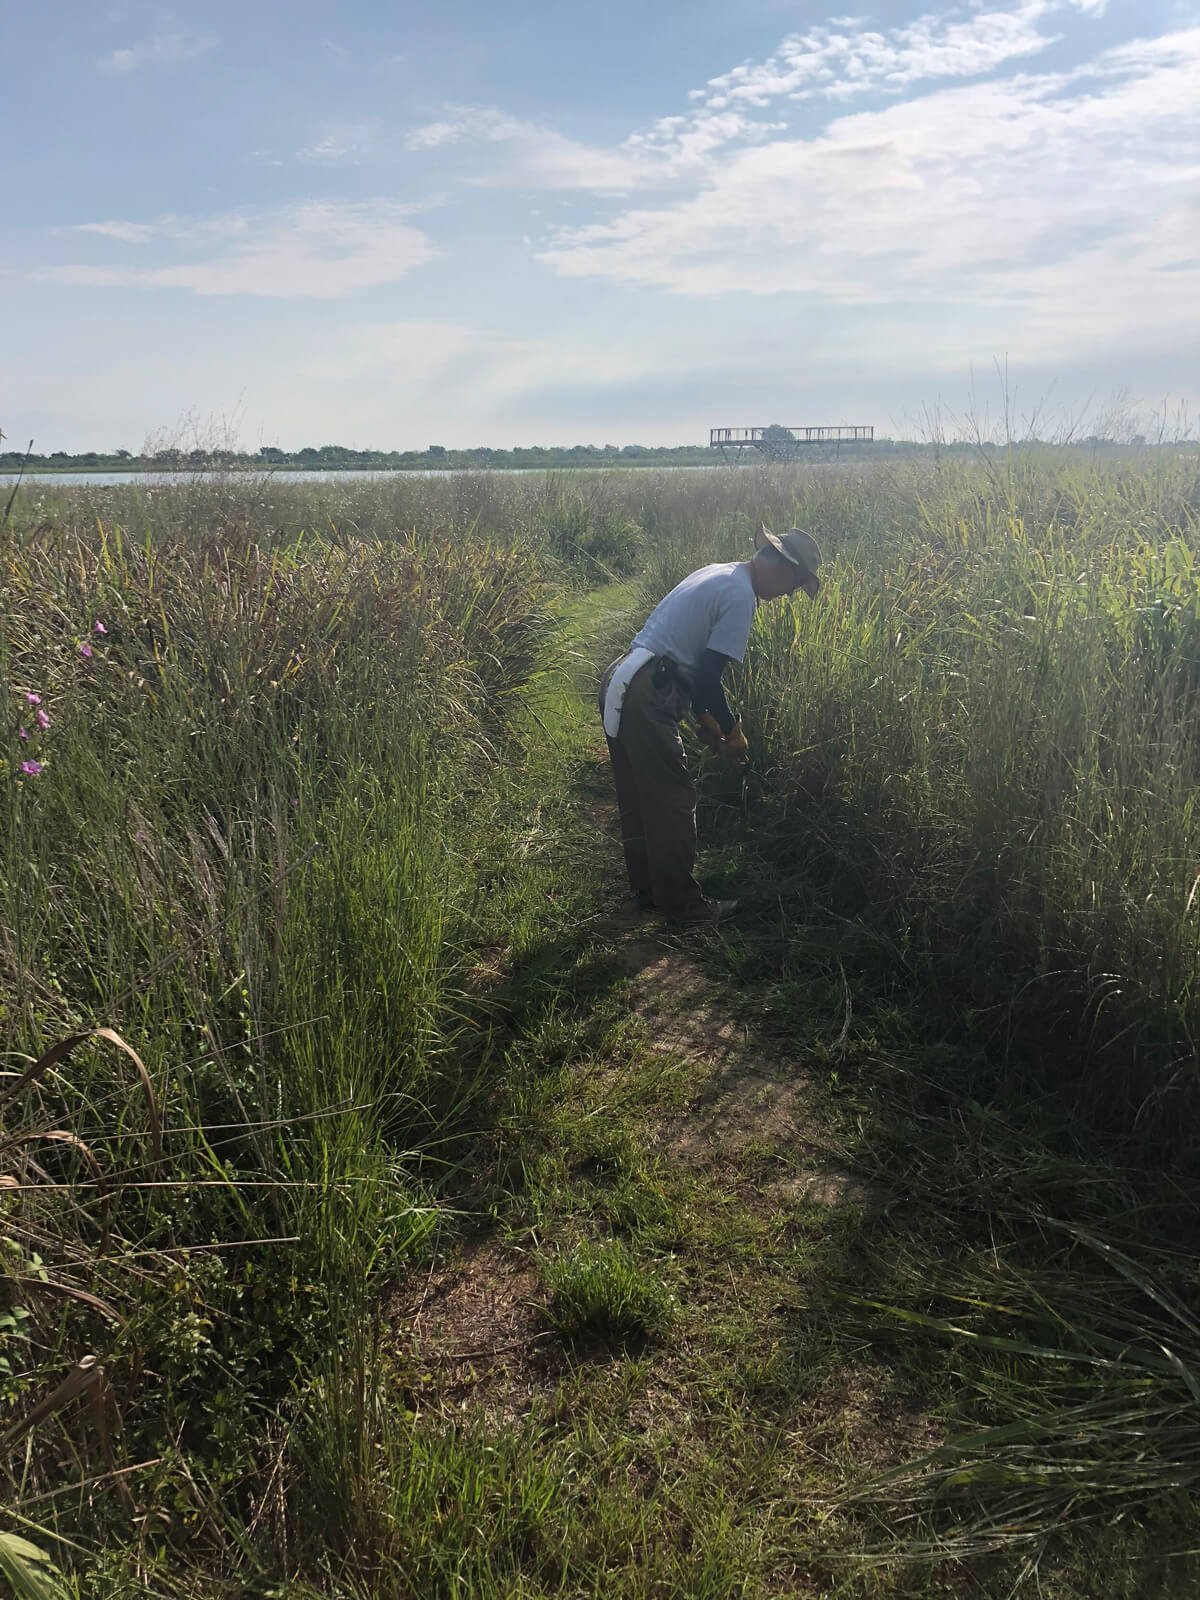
(106, 1420)
(16, 485)
(1007, 1346)
(83, 1376)
(64, 1048)
(61, 1136)
(68, 1291)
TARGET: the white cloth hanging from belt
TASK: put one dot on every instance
(623, 675)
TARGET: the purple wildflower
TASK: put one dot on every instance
(22, 734)
(43, 721)
(32, 699)
(31, 768)
(98, 627)
(86, 650)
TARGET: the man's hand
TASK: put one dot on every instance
(709, 730)
(735, 745)
(732, 744)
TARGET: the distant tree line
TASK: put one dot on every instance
(334, 457)
(329, 457)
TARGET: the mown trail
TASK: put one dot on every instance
(700, 1099)
(705, 1451)
(706, 1155)
(710, 1157)
(719, 1390)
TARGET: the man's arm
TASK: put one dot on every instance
(708, 694)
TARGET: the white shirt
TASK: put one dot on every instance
(712, 609)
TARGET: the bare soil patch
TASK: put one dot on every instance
(748, 1096)
(470, 1333)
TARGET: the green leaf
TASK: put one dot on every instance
(30, 1572)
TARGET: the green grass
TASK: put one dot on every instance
(600, 1291)
(248, 851)
(318, 833)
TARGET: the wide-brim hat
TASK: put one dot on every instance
(795, 545)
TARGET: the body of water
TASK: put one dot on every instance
(107, 480)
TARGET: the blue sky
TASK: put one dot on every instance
(393, 225)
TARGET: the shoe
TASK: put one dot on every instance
(706, 916)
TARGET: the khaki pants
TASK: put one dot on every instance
(655, 793)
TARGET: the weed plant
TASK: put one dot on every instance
(600, 1291)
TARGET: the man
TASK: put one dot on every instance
(674, 663)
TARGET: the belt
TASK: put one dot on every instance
(668, 670)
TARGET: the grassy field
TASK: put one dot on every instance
(432, 1227)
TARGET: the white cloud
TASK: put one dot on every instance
(318, 250)
(842, 58)
(159, 50)
(834, 61)
(389, 382)
(1060, 201)
(185, 231)
(126, 232)
(340, 142)
(536, 156)
(684, 143)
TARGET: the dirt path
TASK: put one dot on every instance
(639, 1113)
(473, 1323)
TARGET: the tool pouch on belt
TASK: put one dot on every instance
(673, 684)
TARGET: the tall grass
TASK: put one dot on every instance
(985, 736)
(265, 801)
(280, 809)
(986, 725)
